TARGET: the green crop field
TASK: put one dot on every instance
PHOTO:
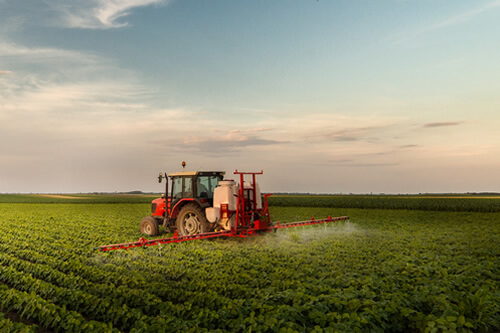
(404, 269)
(462, 203)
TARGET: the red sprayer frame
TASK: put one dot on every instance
(249, 220)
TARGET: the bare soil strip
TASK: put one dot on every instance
(59, 196)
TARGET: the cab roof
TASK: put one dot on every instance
(195, 173)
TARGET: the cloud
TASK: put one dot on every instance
(364, 160)
(465, 16)
(361, 164)
(98, 14)
(232, 142)
(47, 63)
(55, 95)
(70, 115)
(442, 124)
(349, 134)
(368, 131)
(70, 81)
(38, 96)
(46, 83)
(83, 14)
(8, 49)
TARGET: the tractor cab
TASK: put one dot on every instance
(185, 192)
(198, 185)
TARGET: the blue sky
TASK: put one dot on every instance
(324, 96)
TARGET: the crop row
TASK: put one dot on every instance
(32, 306)
(9, 326)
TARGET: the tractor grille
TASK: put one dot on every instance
(153, 208)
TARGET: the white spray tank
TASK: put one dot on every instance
(226, 193)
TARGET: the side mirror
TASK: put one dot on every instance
(160, 177)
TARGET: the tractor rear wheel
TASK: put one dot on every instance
(149, 226)
(191, 221)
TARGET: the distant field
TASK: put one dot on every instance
(462, 203)
(77, 198)
(59, 196)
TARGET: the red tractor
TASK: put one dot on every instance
(199, 202)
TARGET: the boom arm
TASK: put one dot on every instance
(142, 242)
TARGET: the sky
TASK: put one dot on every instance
(323, 96)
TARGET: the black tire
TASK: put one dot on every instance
(149, 226)
(192, 221)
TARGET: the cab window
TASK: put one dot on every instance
(205, 186)
(182, 187)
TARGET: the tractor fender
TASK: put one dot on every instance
(181, 203)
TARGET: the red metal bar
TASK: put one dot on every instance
(236, 172)
(174, 239)
(246, 209)
(312, 221)
(254, 193)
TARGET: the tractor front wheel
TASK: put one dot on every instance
(192, 221)
(149, 226)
